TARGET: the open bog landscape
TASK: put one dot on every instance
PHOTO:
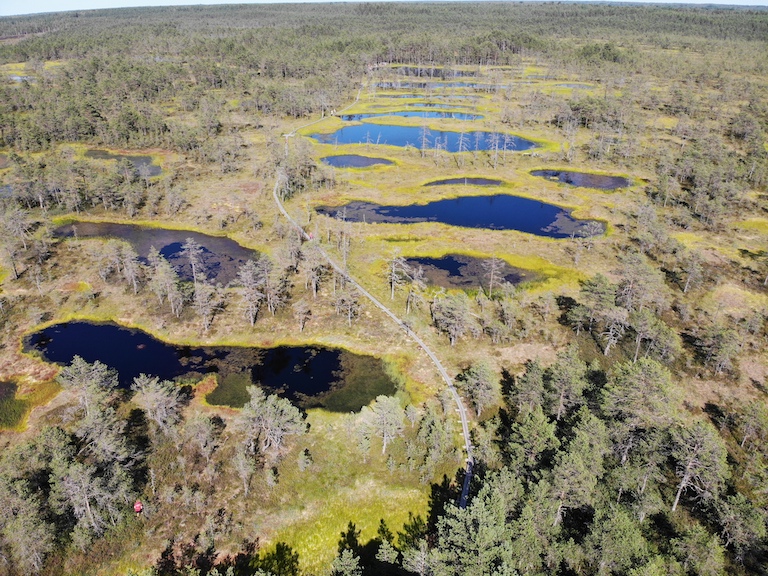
(384, 289)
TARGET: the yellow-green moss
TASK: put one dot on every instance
(40, 393)
(757, 224)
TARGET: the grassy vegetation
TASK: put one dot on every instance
(12, 409)
(342, 486)
(231, 391)
(16, 404)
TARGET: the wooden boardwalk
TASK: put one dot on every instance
(415, 337)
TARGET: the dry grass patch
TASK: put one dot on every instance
(732, 300)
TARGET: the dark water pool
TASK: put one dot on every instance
(310, 376)
(583, 179)
(457, 96)
(427, 106)
(498, 212)
(433, 72)
(414, 113)
(440, 96)
(460, 271)
(402, 85)
(354, 161)
(137, 161)
(435, 85)
(221, 257)
(465, 182)
(419, 138)
(4, 162)
(399, 95)
(434, 106)
(473, 85)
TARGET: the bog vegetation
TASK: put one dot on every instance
(617, 395)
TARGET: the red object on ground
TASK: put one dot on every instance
(138, 507)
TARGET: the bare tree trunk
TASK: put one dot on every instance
(683, 484)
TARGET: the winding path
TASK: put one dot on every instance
(448, 381)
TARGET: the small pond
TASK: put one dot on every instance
(221, 256)
(440, 96)
(575, 86)
(457, 96)
(12, 410)
(498, 212)
(399, 95)
(435, 106)
(366, 133)
(137, 161)
(354, 161)
(583, 179)
(427, 106)
(434, 85)
(414, 113)
(401, 85)
(4, 162)
(473, 85)
(17, 78)
(465, 182)
(460, 271)
(433, 72)
(311, 376)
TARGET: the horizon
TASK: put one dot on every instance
(34, 7)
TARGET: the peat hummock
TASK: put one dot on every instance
(310, 376)
(221, 257)
(583, 179)
(498, 212)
